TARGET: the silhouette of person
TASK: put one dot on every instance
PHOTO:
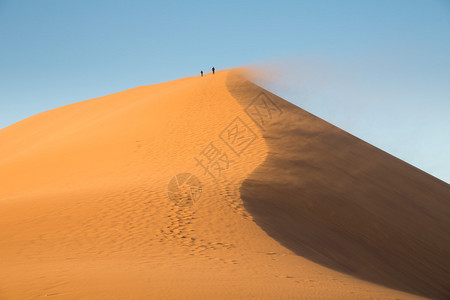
(214, 70)
(201, 73)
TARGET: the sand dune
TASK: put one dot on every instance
(211, 188)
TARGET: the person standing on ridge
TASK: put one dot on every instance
(213, 70)
(201, 73)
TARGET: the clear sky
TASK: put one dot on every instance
(379, 69)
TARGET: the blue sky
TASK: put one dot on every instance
(378, 69)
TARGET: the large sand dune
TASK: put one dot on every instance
(212, 188)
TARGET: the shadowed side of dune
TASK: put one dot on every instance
(335, 199)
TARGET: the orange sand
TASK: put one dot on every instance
(87, 211)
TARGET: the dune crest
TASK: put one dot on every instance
(161, 191)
